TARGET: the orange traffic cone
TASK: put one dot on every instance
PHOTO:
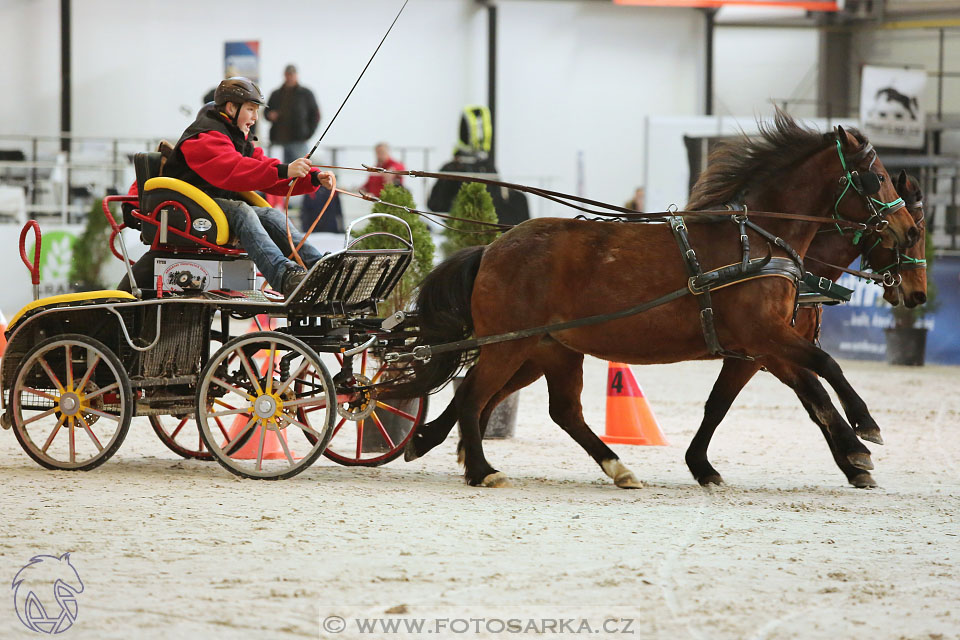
(629, 418)
(272, 450)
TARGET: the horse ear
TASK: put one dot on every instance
(901, 181)
(841, 134)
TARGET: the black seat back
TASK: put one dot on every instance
(147, 165)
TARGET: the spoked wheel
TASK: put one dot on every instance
(71, 403)
(371, 430)
(180, 435)
(248, 386)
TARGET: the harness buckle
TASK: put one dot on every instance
(824, 284)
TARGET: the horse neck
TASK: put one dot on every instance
(831, 246)
(806, 189)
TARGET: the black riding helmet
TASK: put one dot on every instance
(239, 90)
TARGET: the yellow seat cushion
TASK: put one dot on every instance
(67, 298)
(196, 195)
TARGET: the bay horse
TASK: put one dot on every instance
(561, 269)
(851, 456)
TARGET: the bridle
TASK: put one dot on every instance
(866, 184)
(892, 272)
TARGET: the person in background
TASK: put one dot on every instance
(375, 183)
(332, 220)
(295, 115)
(472, 155)
(637, 201)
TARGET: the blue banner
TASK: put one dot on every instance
(855, 330)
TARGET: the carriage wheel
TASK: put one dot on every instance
(181, 435)
(248, 385)
(71, 403)
(370, 430)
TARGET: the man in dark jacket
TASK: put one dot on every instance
(295, 115)
(215, 155)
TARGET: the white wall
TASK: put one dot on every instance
(574, 76)
(578, 76)
(753, 66)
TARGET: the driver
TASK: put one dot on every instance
(216, 155)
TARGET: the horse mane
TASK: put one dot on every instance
(736, 165)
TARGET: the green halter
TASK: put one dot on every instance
(878, 207)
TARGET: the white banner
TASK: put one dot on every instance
(892, 109)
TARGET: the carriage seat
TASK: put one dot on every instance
(175, 213)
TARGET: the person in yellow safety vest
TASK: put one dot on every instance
(472, 155)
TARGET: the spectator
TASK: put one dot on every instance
(472, 156)
(637, 201)
(295, 115)
(375, 183)
(332, 220)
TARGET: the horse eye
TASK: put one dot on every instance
(880, 176)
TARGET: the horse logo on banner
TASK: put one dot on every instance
(33, 586)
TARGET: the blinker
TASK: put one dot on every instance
(866, 183)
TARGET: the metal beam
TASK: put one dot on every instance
(65, 84)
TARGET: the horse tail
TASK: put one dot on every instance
(443, 307)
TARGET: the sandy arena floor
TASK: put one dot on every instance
(170, 548)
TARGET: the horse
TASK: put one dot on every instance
(566, 269)
(910, 285)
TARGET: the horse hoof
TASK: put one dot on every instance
(410, 451)
(628, 481)
(496, 480)
(711, 479)
(870, 434)
(863, 481)
(622, 476)
(860, 461)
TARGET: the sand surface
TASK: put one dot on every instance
(171, 548)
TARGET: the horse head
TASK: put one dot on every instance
(909, 267)
(867, 194)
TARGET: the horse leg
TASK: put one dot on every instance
(564, 372)
(734, 375)
(430, 434)
(848, 452)
(494, 369)
(528, 373)
(798, 351)
(436, 431)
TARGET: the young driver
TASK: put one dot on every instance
(215, 155)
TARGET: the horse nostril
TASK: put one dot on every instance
(912, 235)
(919, 297)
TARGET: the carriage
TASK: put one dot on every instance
(177, 347)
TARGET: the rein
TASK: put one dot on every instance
(621, 212)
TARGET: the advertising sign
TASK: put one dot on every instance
(242, 59)
(855, 329)
(892, 106)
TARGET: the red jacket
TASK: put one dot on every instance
(375, 183)
(213, 156)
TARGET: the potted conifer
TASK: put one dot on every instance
(473, 203)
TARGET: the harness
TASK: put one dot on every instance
(701, 283)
